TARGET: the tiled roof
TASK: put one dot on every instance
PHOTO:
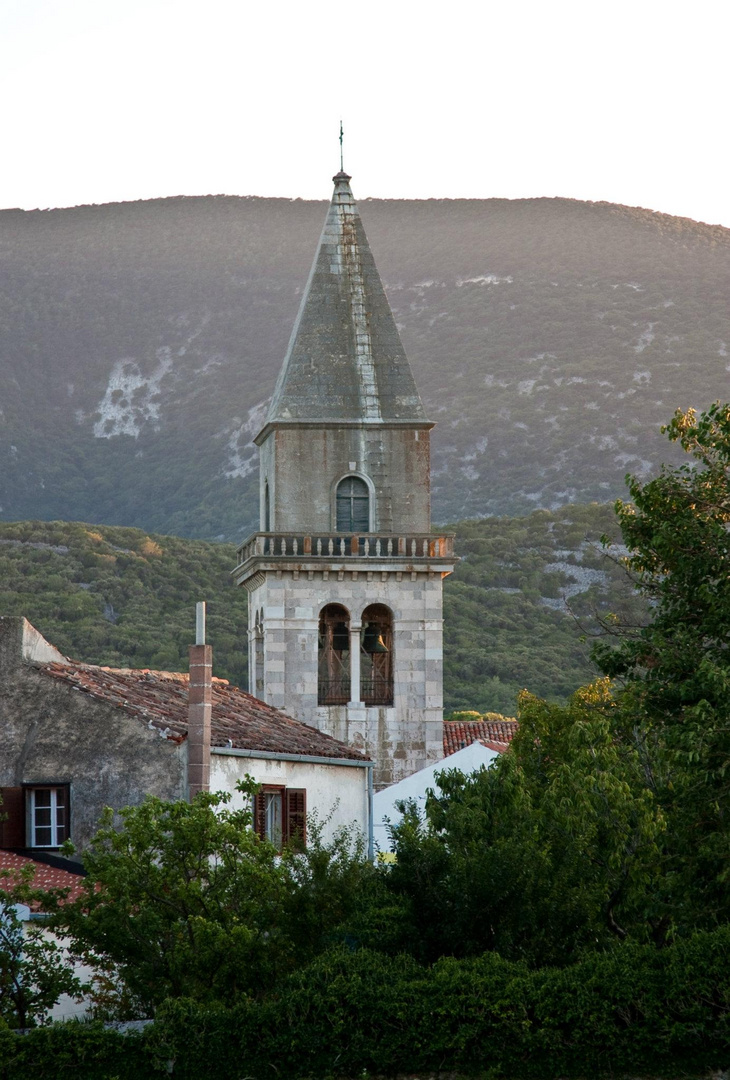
(160, 699)
(494, 734)
(45, 877)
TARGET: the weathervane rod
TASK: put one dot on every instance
(342, 166)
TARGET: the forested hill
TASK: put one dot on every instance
(550, 338)
(118, 596)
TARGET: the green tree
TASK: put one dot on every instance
(34, 968)
(186, 900)
(676, 670)
(545, 854)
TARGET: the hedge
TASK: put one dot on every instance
(75, 1050)
(637, 1011)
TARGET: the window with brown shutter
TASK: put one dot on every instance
(280, 815)
(35, 816)
(12, 811)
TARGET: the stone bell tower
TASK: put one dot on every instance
(344, 576)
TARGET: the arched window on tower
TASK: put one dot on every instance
(267, 508)
(334, 656)
(353, 505)
(376, 656)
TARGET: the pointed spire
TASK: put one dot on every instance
(345, 359)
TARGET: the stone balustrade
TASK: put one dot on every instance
(339, 545)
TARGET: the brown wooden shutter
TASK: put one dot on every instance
(259, 814)
(296, 817)
(12, 811)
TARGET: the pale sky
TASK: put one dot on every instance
(108, 100)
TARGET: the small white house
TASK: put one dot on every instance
(468, 760)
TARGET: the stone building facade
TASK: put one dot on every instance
(345, 577)
(77, 738)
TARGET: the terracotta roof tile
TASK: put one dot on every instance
(160, 699)
(45, 877)
(494, 734)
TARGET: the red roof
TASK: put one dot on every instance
(494, 734)
(45, 877)
(160, 699)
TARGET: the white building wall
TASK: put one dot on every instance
(468, 760)
(337, 795)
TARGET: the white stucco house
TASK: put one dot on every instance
(468, 760)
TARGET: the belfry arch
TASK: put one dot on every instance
(333, 656)
(376, 656)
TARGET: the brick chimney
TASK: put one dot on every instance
(199, 708)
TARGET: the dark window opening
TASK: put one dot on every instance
(353, 505)
(376, 656)
(280, 816)
(267, 508)
(334, 656)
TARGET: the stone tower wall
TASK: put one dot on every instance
(402, 738)
(303, 465)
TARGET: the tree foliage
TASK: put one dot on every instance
(676, 670)
(549, 852)
(34, 967)
(187, 900)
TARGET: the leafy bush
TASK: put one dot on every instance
(638, 1011)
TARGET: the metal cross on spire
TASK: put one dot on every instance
(342, 167)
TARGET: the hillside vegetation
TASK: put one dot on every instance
(118, 596)
(549, 338)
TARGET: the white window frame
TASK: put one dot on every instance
(59, 831)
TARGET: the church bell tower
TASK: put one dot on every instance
(344, 575)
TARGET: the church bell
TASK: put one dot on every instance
(340, 637)
(372, 641)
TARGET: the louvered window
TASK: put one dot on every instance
(280, 815)
(353, 505)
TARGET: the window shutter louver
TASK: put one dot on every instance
(296, 816)
(12, 827)
(259, 815)
(353, 505)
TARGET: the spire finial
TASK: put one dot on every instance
(342, 166)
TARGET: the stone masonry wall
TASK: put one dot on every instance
(53, 734)
(401, 739)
